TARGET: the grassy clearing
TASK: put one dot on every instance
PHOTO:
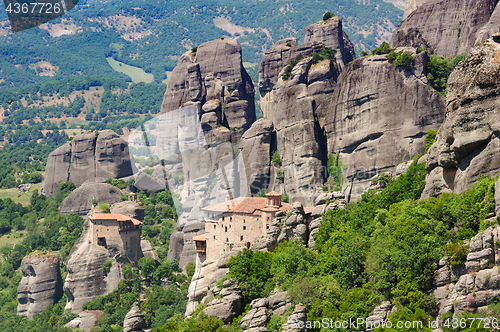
(136, 74)
(16, 196)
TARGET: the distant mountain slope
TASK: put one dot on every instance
(153, 34)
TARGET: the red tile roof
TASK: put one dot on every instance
(100, 236)
(251, 204)
(273, 193)
(114, 216)
(308, 209)
(200, 238)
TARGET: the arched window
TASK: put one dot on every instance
(226, 229)
(241, 238)
(244, 228)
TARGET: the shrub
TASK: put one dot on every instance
(212, 186)
(404, 60)
(104, 207)
(384, 48)
(456, 252)
(276, 159)
(178, 177)
(327, 16)
(430, 138)
(106, 267)
(280, 175)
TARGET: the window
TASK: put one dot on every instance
(226, 229)
(227, 240)
(244, 228)
(222, 218)
(267, 218)
(214, 237)
(215, 226)
(230, 218)
(267, 227)
(243, 220)
(241, 238)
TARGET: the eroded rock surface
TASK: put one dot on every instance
(86, 279)
(80, 200)
(379, 116)
(230, 303)
(41, 285)
(472, 286)
(447, 27)
(134, 320)
(86, 157)
(468, 142)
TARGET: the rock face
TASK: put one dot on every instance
(260, 314)
(87, 157)
(85, 320)
(182, 246)
(134, 320)
(379, 315)
(294, 102)
(215, 81)
(447, 27)
(411, 5)
(467, 144)
(41, 285)
(229, 305)
(475, 284)
(379, 116)
(86, 279)
(132, 209)
(80, 200)
(255, 146)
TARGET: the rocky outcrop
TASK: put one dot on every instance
(447, 27)
(378, 117)
(228, 303)
(134, 320)
(411, 5)
(132, 209)
(257, 318)
(285, 227)
(324, 202)
(87, 156)
(41, 285)
(80, 200)
(146, 182)
(293, 99)
(85, 320)
(182, 246)
(380, 314)
(255, 146)
(86, 280)
(475, 284)
(468, 142)
(297, 320)
(214, 80)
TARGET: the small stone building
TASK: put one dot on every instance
(118, 231)
(237, 223)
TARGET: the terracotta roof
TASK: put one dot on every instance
(114, 216)
(224, 206)
(200, 238)
(100, 236)
(273, 193)
(251, 204)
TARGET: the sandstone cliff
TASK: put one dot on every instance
(41, 285)
(86, 157)
(467, 144)
(214, 80)
(447, 27)
(378, 117)
(294, 87)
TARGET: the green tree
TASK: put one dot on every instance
(147, 265)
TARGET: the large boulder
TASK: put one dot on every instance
(41, 285)
(134, 320)
(80, 200)
(468, 142)
(447, 27)
(86, 157)
(181, 246)
(132, 209)
(229, 305)
(85, 320)
(379, 116)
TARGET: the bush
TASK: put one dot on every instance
(190, 269)
(106, 267)
(404, 60)
(430, 138)
(104, 207)
(280, 175)
(327, 16)
(456, 252)
(384, 48)
(275, 159)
